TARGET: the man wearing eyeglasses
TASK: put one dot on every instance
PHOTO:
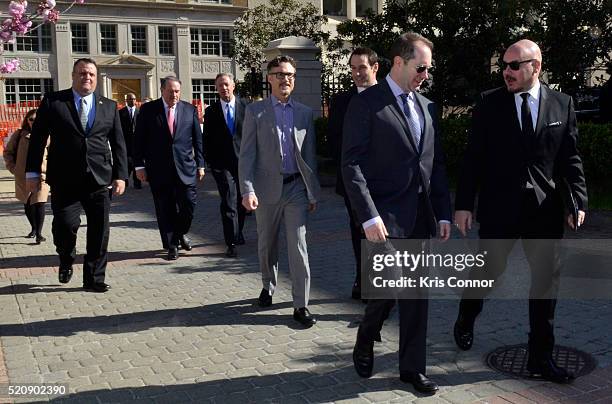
(128, 116)
(278, 180)
(521, 155)
(364, 65)
(394, 175)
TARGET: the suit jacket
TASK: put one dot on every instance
(383, 168)
(163, 155)
(337, 111)
(221, 149)
(72, 152)
(260, 162)
(129, 130)
(499, 160)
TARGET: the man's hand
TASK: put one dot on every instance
(463, 221)
(445, 230)
(201, 174)
(312, 206)
(33, 185)
(250, 202)
(376, 233)
(141, 174)
(570, 219)
(118, 187)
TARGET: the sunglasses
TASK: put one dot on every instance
(421, 68)
(515, 64)
(281, 75)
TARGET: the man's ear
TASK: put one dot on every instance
(537, 67)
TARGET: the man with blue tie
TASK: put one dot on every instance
(86, 155)
(168, 154)
(222, 136)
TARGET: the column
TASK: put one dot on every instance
(182, 64)
(104, 87)
(63, 54)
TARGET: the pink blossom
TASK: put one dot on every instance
(50, 3)
(50, 16)
(80, 1)
(9, 67)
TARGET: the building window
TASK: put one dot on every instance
(204, 90)
(139, 39)
(334, 7)
(166, 41)
(80, 40)
(362, 7)
(37, 40)
(210, 42)
(108, 38)
(20, 90)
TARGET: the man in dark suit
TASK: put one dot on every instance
(128, 116)
(168, 154)
(393, 170)
(222, 135)
(87, 153)
(521, 151)
(364, 65)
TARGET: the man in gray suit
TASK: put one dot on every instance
(278, 178)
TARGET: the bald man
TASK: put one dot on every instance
(521, 155)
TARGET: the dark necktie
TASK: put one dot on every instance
(83, 115)
(526, 119)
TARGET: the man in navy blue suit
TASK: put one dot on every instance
(168, 154)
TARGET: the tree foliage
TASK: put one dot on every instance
(469, 35)
(272, 20)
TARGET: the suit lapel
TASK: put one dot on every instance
(427, 123)
(270, 119)
(399, 114)
(97, 104)
(542, 111)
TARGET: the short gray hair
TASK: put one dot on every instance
(228, 75)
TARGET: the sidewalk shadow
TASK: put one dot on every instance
(244, 312)
(300, 386)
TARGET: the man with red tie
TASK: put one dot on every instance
(168, 154)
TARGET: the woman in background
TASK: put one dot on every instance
(15, 156)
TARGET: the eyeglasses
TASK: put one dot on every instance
(281, 75)
(421, 68)
(515, 64)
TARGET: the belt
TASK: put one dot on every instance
(290, 178)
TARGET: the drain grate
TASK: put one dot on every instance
(512, 360)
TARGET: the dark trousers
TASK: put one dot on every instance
(356, 236)
(412, 313)
(66, 203)
(232, 211)
(35, 212)
(174, 206)
(538, 230)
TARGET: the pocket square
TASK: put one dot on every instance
(557, 123)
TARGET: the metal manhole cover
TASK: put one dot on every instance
(512, 360)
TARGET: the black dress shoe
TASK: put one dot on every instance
(363, 357)
(40, 239)
(264, 300)
(304, 317)
(172, 253)
(464, 334)
(420, 382)
(185, 243)
(65, 274)
(240, 239)
(100, 287)
(230, 252)
(31, 234)
(547, 369)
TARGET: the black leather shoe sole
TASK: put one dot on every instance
(363, 359)
(97, 287)
(173, 254)
(264, 300)
(422, 384)
(186, 245)
(305, 321)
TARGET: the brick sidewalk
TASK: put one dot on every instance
(188, 331)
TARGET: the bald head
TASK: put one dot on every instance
(522, 65)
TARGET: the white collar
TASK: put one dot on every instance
(231, 103)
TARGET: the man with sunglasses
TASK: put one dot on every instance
(277, 169)
(364, 65)
(521, 155)
(394, 174)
